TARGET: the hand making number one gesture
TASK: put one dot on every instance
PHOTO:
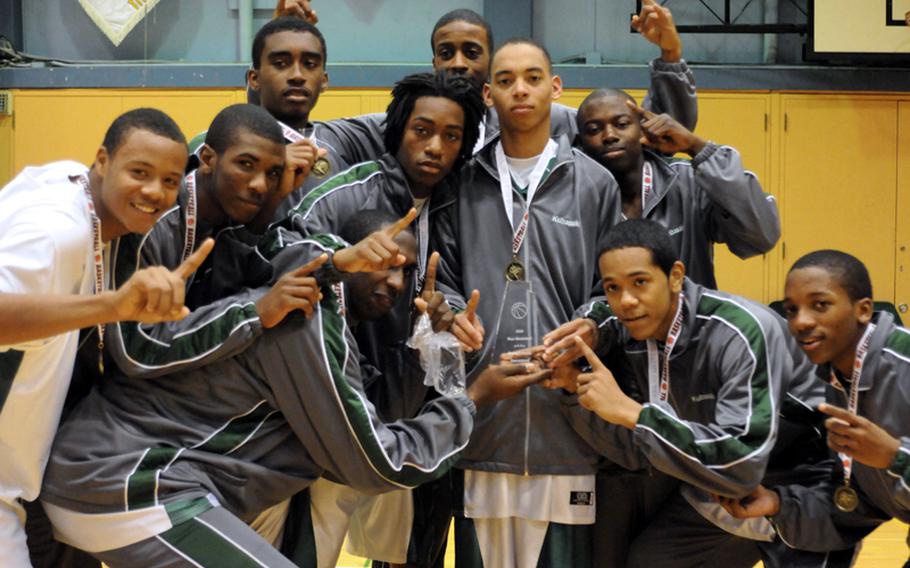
(599, 392)
(663, 133)
(378, 251)
(156, 294)
(466, 326)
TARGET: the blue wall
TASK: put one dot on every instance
(390, 30)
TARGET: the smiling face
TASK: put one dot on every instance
(611, 133)
(431, 142)
(373, 294)
(291, 75)
(243, 177)
(462, 48)
(521, 88)
(640, 294)
(139, 181)
(826, 323)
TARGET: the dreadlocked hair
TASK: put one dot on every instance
(440, 84)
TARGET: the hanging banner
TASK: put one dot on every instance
(116, 18)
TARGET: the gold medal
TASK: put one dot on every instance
(515, 271)
(321, 167)
(846, 499)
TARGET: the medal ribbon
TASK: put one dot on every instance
(189, 241)
(423, 240)
(97, 257)
(661, 397)
(505, 186)
(647, 185)
(853, 397)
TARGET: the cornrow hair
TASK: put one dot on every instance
(848, 270)
(439, 84)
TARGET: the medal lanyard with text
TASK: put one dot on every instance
(189, 242)
(505, 186)
(98, 258)
(647, 185)
(423, 240)
(853, 396)
(661, 397)
(292, 136)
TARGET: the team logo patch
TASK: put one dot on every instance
(583, 498)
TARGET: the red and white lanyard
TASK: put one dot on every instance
(853, 396)
(659, 382)
(292, 135)
(189, 241)
(97, 257)
(505, 186)
(647, 185)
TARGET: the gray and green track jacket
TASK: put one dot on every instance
(251, 430)
(808, 518)
(672, 91)
(219, 328)
(378, 184)
(711, 199)
(570, 215)
(733, 370)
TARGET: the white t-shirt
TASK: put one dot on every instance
(45, 248)
(521, 169)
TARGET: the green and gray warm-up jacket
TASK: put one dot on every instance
(245, 432)
(808, 518)
(733, 371)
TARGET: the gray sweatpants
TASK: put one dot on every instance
(213, 539)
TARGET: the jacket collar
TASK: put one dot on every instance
(665, 178)
(884, 325)
(486, 158)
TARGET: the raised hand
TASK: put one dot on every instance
(762, 502)
(655, 23)
(859, 438)
(561, 348)
(378, 251)
(599, 393)
(662, 133)
(299, 158)
(498, 382)
(467, 327)
(295, 290)
(300, 8)
(432, 302)
(156, 294)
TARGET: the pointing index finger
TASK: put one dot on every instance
(592, 357)
(401, 224)
(312, 265)
(429, 284)
(837, 412)
(638, 110)
(195, 260)
(472, 305)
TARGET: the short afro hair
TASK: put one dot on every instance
(285, 24)
(848, 270)
(646, 234)
(462, 15)
(150, 119)
(254, 119)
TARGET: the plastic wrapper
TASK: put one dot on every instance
(441, 357)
